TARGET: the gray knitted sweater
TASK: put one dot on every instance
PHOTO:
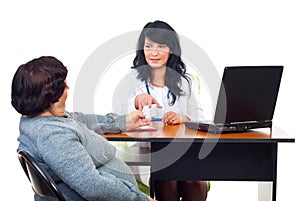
(82, 162)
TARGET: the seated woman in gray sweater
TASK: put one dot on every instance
(68, 145)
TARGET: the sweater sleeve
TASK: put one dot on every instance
(71, 162)
(110, 123)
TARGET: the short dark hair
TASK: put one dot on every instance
(37, 84)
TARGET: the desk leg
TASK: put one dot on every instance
(152, 184)
(265, 191)
(274, 186)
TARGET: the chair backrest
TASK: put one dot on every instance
(41, 182)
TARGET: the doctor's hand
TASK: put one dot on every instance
(136, 119)
(171, 118)
(145, 99)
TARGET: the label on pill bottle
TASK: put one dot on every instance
(147, 112)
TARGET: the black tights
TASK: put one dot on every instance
(186, 190)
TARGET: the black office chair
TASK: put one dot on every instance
(41, 182)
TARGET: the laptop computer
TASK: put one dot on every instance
(246, 99)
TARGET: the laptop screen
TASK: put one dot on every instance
(248, 93)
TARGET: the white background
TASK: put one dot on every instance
(231, 33)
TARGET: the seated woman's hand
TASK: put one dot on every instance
(145, 99)
(136, 119)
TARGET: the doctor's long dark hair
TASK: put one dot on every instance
(161, 32)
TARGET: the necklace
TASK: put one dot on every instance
(158, 85)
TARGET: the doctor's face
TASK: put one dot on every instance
(156, 54)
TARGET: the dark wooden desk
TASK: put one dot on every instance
(179, 153)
